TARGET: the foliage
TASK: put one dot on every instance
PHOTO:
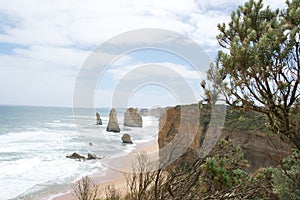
(261, 66)
(236, 120)
(245, 122)
(222, 175)
(287, 180)
(223, 171)
(226, 176)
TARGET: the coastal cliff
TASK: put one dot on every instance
(247, 130)
(181, 120)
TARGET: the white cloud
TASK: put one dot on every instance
(51, 40)
(87, 24)
(185, 71)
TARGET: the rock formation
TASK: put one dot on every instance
(91, 156)
(127, 139)
(182, 120)
(133, 118)
(76, 156)
(113, 125)
(99, 120)
(259, 149)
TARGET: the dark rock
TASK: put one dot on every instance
(126, 139)
(113, 125)
(99, 120)
(76, 156)
(133, 118)
(91, 156)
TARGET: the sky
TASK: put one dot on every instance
(44, 45)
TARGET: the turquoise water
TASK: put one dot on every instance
(34, 142)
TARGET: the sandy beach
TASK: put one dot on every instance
(118, 167)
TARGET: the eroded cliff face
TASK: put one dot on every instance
(259, 149)
(179, 130)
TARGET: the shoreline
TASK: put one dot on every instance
(116, 175)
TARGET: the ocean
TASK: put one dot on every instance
(34, 142)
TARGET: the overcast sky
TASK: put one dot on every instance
(44, 44)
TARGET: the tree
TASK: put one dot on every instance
(260, 64)
(85, 189)
(142, 178)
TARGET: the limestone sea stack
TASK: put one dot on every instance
(99, 120)
(113, 125)
(127, 139)
(133, 118)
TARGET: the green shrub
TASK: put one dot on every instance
(286, 181)
(223, 171)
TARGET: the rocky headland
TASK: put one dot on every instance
(246, 130)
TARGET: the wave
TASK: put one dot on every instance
(34, 159)
(33, 163)
(59, 124)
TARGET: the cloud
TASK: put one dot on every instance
(186, 72)
(43, 44)
(74, 23)
(89, 23)
(40, 75)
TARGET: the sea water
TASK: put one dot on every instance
(34, 142)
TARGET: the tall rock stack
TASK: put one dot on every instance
(99, 120)
(113, 125)
(133, 118)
